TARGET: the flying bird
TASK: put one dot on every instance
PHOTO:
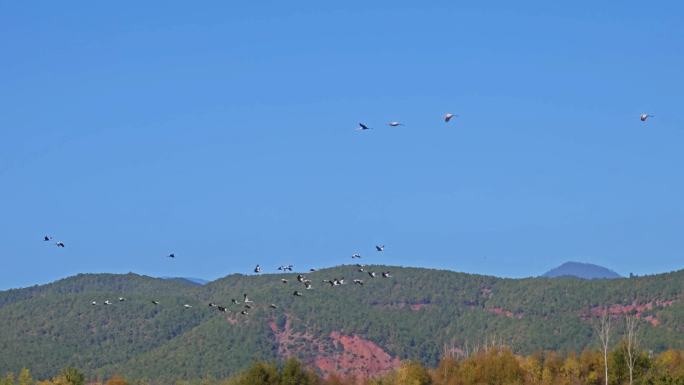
(300, 278)
(172, 255)
(59, 244)
(394, 124)
(386, 274)
(283, 280)
(244, 312)
(273, 306)
(380, 247)
(47, 238)
(234, 301)
(297, 294)
(94, 303)
(211, 304)
(222, 309)
(245, 299)
(372, 274)
(363, 127)
(307, 285)
(643, 117)
(356, 256)
(107, 302)
(247, 306)
(187, 306)
(448, 116)
(155, 302)
(121, 299)
(312, 270)
(358, 282)
(257, 269)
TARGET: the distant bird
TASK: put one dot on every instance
(380, 247)
(245, 299)
(283, 280)
(361, 270)
(155, 302)
(273, 306)
(340, 281)
(312, 270)
(59, 244)
(394, 124)
(107, 302)
(448, 116)
(221, 309)
(172, 255)
(372, 274)
(643, 117)
(187, 306)
(363, 127)
(300, 278)
(297, 294)
(94, 303)
(356, 256)
(121, 299)
(211, 304)
(257, 269)
(330, 281)
(47, 238)
(234, 301)
(244, 312)
(307, 285)
(247, 306)
(358, 282)
(386, 274)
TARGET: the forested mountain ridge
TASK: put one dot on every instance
(350, 328)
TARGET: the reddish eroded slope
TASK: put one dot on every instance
(637, 309)
(341, 354)
(504, 312)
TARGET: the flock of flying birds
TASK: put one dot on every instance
(248, 304)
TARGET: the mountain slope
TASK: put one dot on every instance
(355, 329)
(581, 270)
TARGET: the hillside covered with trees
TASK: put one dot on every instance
(370, 330)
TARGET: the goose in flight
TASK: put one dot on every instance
(372, 274)
(155, 302)
(386, 274)
(356, 256)
(221, 309)
(363, 127)
(448, 117)
(245, 299)
(121, 299)
(211, 304)
(283, 280)
(312, 270)
(187, 306)
(47, 238)
(297, 294)
(273, 306)
(107, 302)
(380, 247)
(244, 312)
(94, 303)
(234, 301)
(307, 285)
(300, 278)
(358, 282)
(643, 117)
(247, 306)
(257, 269)
(172, 255)
(59, 244)
(394, 124)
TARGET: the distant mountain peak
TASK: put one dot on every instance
(581, 270)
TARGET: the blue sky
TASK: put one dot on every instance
(225, 133)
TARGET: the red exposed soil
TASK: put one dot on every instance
(637, 309)
(504, 312)
(353, 356)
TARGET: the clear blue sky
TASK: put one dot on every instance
(225, 133)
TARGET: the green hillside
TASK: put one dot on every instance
(412, 315)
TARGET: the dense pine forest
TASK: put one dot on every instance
(493, 365)
(362, 331)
